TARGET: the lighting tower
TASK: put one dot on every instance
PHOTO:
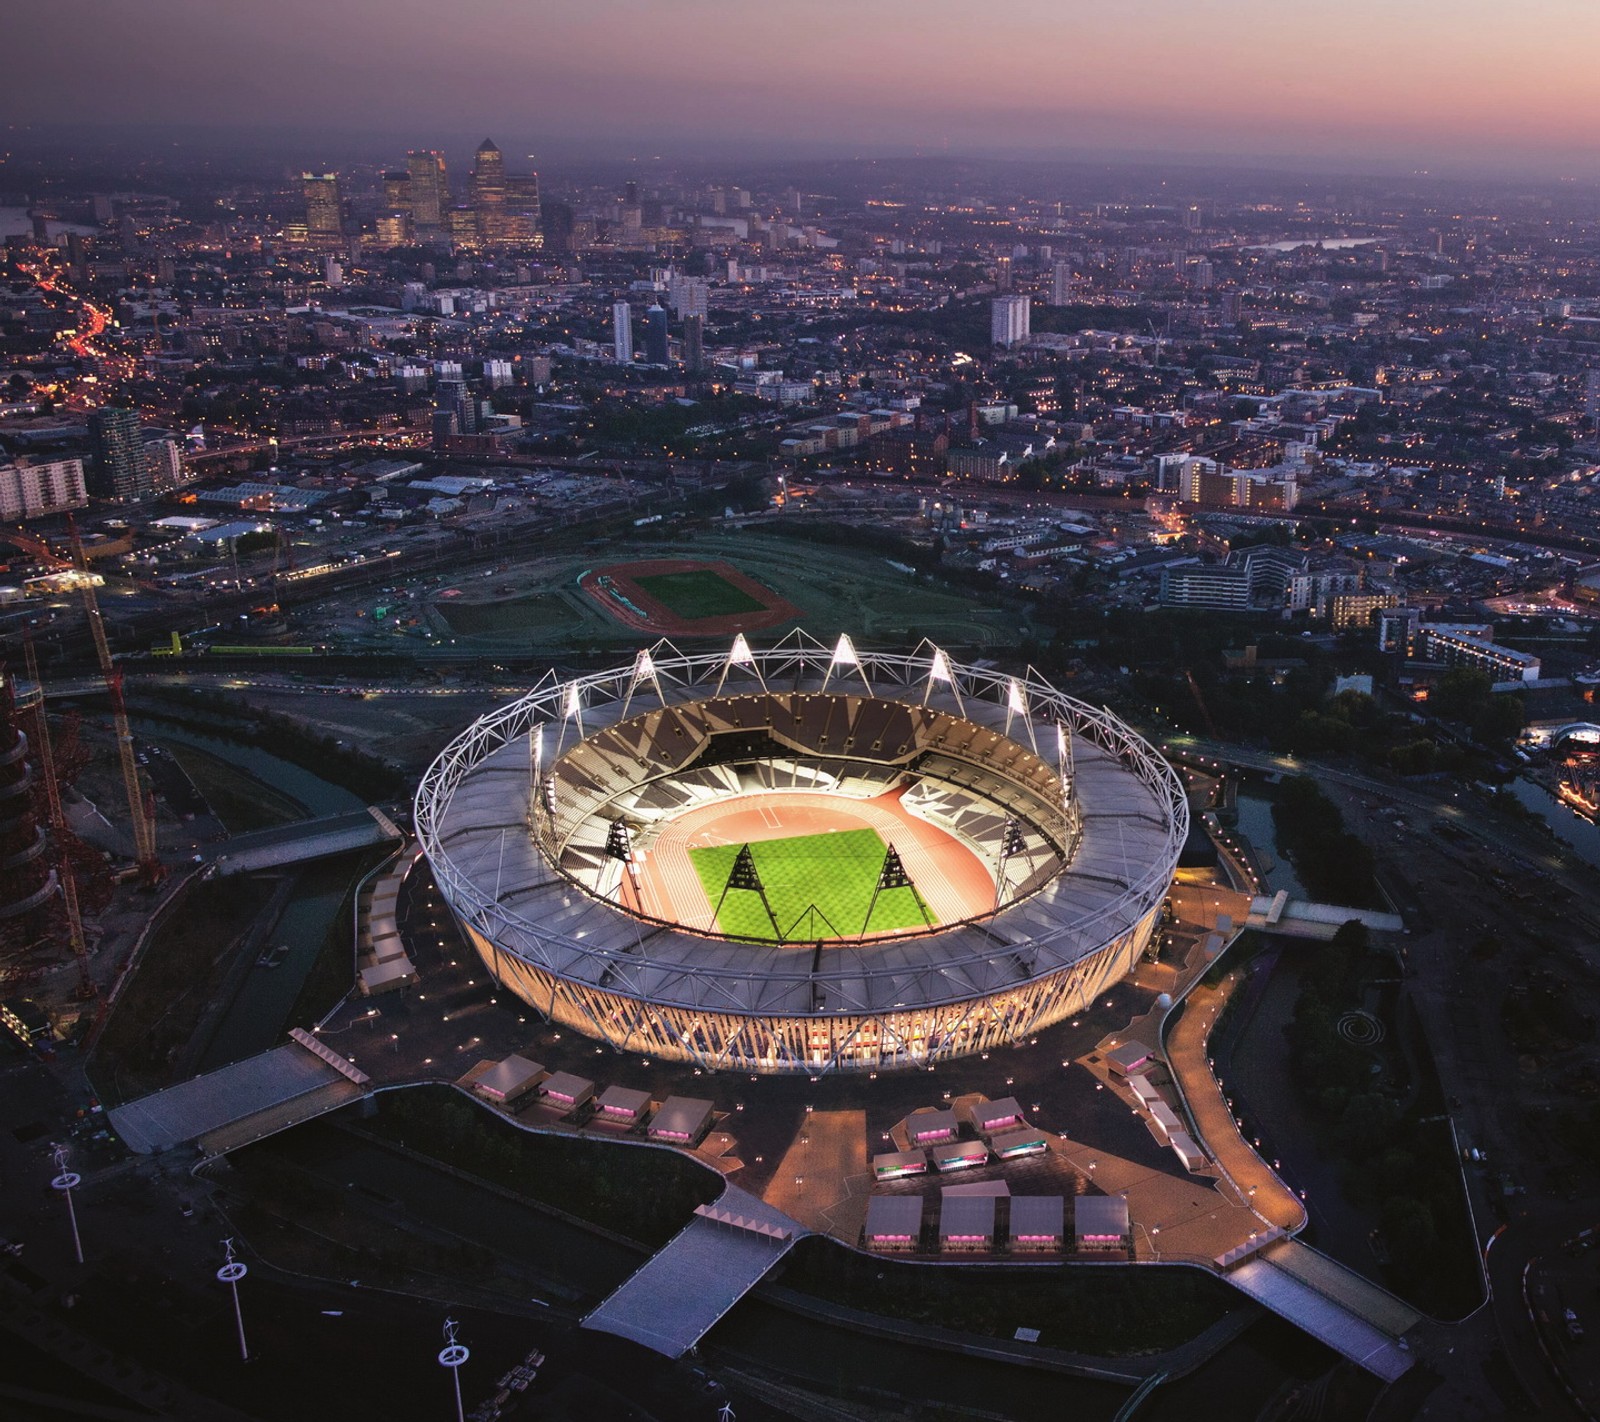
(59, 831)
(66, 1181)
(230, 1274)
(452, 1356)
(141, 809)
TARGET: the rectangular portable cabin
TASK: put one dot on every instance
(1037, 1223)
(388, 976)
(1128, 1058)
(960, 1155)
(1140, 1085)
(929, 1127)
(966, 1224)
(510, 1080)
(1166, 1121)
(1100, 1222)
(623, 1105)
(1029, 1140)
(565, 1089)
(894, 1222)
(681, 1120)
(1188, 1152)
(895, 1164)
(987, 1117)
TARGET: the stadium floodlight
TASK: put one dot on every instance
(644, 670)
(1064, 763)
(939, 670)
(845, 655)
(1017, 705)
(740, 655)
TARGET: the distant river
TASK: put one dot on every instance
(15, 222)
(1329, 244)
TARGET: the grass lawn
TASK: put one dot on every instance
(836, 872)
(701, 593)
(538, 613)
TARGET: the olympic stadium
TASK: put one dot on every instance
(802, 858)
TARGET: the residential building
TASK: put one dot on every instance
(1009, 320)
(34, 490)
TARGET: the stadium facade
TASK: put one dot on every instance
(535, 819)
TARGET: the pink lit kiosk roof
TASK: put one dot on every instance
(511, 1079)
(987, 1117)
(1100, 1221)
(565, 1089)
(623, 1105)
(966, 1222)
(1037, 1222)
(681, 1120)
(894, 1222)
(930, 1126)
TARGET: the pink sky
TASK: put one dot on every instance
(1414, 80)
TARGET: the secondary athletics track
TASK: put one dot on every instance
(617, 590)
(950, 877)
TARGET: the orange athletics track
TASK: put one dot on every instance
(617, 590)
(950, 877)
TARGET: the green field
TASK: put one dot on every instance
(834, 872)
(701, 593)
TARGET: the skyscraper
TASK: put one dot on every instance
(397, 190)
(694, 342)
(622, 332)
(488, 189)
(121, 471)
(430, 188)
(656, 349)
(522, 203)
(324, 210)
(1061, 280)
(1009, 320)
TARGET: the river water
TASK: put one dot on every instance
(1255, 823)
(1581, 836)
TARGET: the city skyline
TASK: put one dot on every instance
(1466, 87)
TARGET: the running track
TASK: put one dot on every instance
(950, 877)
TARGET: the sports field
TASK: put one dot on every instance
(835, 873)
(698, 593)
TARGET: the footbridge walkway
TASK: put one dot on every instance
(307, 840)
(724, 1251)
(1299, 918)
(1352, 1315)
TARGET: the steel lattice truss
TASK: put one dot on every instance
(502, 805)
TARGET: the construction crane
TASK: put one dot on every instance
(59, 833)
(141, 808)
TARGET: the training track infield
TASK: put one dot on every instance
(618, 589)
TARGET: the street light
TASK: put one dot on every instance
(452, 1356)
(230, 1274)
(66, 1181)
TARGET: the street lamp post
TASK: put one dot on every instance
(66, 1181)
(452, 1356)
(230, 1273)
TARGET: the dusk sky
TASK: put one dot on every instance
(1460, 83)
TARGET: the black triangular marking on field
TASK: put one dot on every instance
(743, 875)
(619, 844)
(893, 876)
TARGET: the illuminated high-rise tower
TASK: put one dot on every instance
(488, 190)
(324, 210)
(430, 187)
(622, 332)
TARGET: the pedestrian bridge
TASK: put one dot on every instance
(308, 839)
(724, 1251)
(1352, 1315)
(1299, 918)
